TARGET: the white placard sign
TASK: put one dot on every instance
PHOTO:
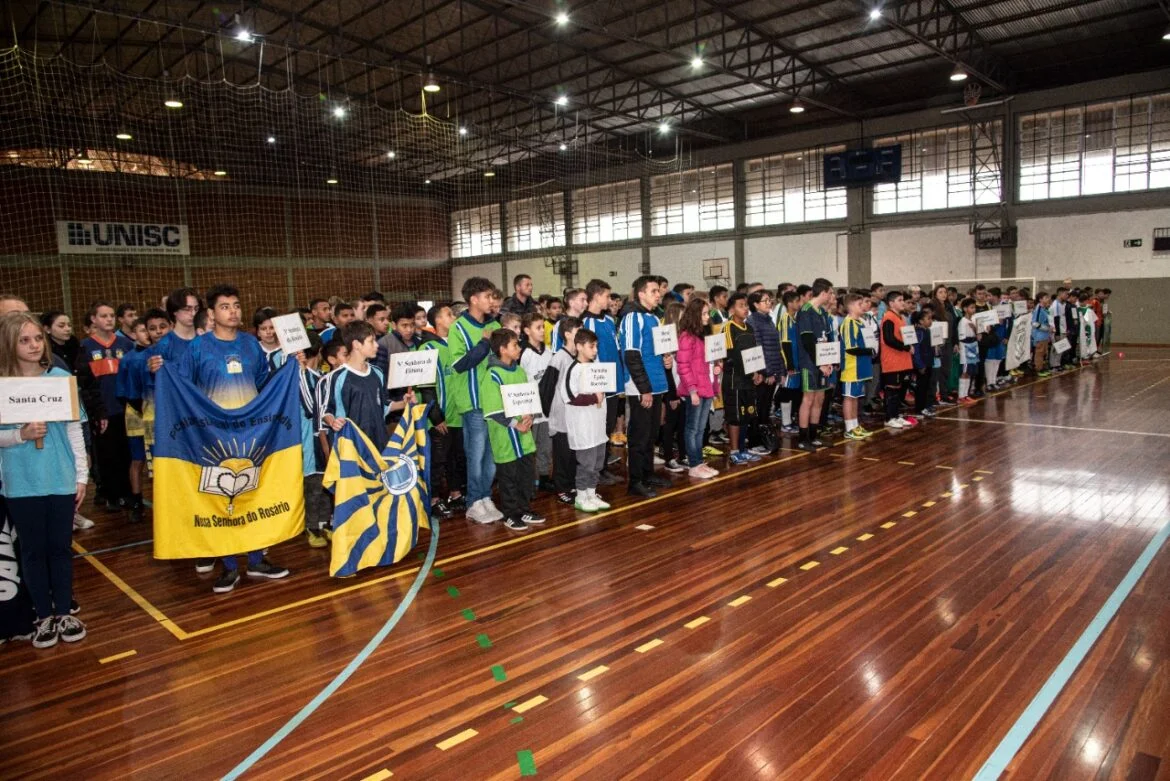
(909, 335)
(1019, 307)
(1062, 346)
(1004, 310)
(598, 377)
(828, 353)
(939, 333)
(753, 360)
(714, 347)
(291, 333)
(521, 399)
(985, 320)
(81, 237)
(665, 339)
(412, 368)
(869, 336)
(38, 399)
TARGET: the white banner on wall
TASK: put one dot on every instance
(75, 237)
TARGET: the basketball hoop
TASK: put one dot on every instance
(972, 92)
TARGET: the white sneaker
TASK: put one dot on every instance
(478, 512)
(658, 461)
(584, 503)
(81, 522)
(491, 511)
(896, 423)
(597, 500)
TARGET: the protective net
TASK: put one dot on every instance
(122, 188)
(965, 286)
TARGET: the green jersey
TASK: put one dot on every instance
(469, 355)
(443, 374)
(508, 444)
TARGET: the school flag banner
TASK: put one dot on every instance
(379, 499)
(226, 481)
(1019, 346)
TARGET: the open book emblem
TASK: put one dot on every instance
(229, 479)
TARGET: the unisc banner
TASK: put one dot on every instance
(226, 481)
(76, 237)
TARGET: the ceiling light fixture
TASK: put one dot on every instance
(339, 112)
(1166, 35)
(173, 103)
(797, 107)
(462, 131)
(272, 139)
(428, 181)
(664, 127)
(563, 100)
(696, 62)
(489, 174)
(564, 147)
(124, 137)
(392, 154)
(430, 85)
(243, 36)
(958, 74)
(221, 172)
(84, 159)
(330, 181)
(562, 18)
(875, 14)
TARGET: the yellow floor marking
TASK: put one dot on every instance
(591, 674)
(976, 479)
(809, 565)
(940, 466)
(116, 657)
(650, 646)
(838, 550)
(455, 740)
(739, 601)
(777, 582)
(929, 504)
(983, 472)
(947, 495)
(870, 458)
(906, 463)
(135, 597)
(964, 485)
(183, 635)
(698, 622)
(864, 537)
(837, 455)
(381, 775)
(909, 513)
(889, 525)
(529, 704)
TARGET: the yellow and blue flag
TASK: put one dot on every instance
(379, 499)
(226, 481)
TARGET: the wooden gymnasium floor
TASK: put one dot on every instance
(878, 610)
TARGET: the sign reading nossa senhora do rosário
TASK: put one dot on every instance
(82, 237)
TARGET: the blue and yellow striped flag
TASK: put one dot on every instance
(379, 499)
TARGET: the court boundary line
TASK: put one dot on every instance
(1064, 428)
(1018, 734)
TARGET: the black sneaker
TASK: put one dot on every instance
(137, 512)
(817, 442)
(532, 519)
(70, 629)
(203, 566)
(74, 608)
(546, 485)
(457, 505)
(442, 508)
(266, 569)
(641, 489)
(608, 478)
(226, 581)
(654, 481)
(45, 633)
(807, 447)
(516, 525)
(567, 497)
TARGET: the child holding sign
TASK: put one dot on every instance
(696, 382)
(856, 366)
(585, 424)
(739, 385)
(511, 440)
(45, 475)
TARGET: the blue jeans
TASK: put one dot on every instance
(695, 428)
(481, 467)
(254, 558)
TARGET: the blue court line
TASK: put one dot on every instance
(109, 550)
(1007, 749)
(350, 668)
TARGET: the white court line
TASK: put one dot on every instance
(1046, 425)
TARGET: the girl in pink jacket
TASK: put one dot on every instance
(697, 382)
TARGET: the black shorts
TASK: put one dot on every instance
(739, 407)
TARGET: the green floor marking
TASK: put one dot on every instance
(498, 672)
(469, 614)
(483, 641)
(438, 573)
(517, 720)
(453, 591)
(527, 763)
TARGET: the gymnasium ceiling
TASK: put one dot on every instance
(623, 66)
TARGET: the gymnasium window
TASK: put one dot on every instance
(535, 223)
(944, 168)
(789, 188)
(1113, 147)
(609, 212)
(702, 199)
(475, 231)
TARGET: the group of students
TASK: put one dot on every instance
(786, 361)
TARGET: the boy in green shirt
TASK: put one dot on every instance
(446, 430)
(512, 445)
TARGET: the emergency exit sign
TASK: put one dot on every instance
(1131, 243)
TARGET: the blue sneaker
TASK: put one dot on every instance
(752, 457)
(738, 457)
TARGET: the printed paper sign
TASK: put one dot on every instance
(665, 339)
(408, 369)
(1004, 310)
(521, 399)
(715, 347)
(869, 335)
(1062, 346)
(38, 399)
(939, 333)
(753, 360)
(291, 333)
(598, 377)
(828, 353)
(985, 320)
(1019, 307)
(909, 335)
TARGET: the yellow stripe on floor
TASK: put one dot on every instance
(530, 703)
(644, 647)
(838, 550)
(777, 582)
(455, 740)
(116, 657)
(889, 525)
(739, 601)
(697, 622)
(909, 513)
(381, 775)
(865, 537)
(809, 565)
(929, 504)
(591, 674)
(940, 466)
(976, 479)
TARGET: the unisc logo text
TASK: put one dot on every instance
(75, 237)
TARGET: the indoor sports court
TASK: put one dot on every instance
(963, 575)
